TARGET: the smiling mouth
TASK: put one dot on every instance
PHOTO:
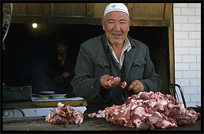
(116, 36)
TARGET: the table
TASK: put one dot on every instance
(89, 124)
(46, 103)
(39, 103)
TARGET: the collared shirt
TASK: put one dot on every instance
(126, 46)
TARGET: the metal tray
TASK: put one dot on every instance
(17, 93)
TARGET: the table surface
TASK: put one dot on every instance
(45, 103)
(89, 124)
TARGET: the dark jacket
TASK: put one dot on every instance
(68, 66)
(95, 60)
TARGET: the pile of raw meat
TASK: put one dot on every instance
(148, 110)
(64, 114)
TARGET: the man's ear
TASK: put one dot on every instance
(129, 24)
(103, 24)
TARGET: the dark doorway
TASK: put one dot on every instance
(31, 51)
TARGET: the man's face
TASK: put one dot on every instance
(62, 48)
(116, 26)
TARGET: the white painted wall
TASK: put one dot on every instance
(187, 44)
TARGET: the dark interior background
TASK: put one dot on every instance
(30, 52)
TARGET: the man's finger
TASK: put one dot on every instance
(136, 89)
(131, 86)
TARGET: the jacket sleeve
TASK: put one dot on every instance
(84, 83)
(151, 80)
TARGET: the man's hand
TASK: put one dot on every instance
(136, 86)
(109, 82)
(65, 75)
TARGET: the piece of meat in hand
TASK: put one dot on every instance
(123, 84)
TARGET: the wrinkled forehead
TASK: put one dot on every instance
(116, 15)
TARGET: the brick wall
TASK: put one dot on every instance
(187, 46)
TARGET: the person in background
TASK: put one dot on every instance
(109, 59)
(64, 69)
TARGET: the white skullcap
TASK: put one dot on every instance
(116, 7)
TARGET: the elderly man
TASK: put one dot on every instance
(107, 60)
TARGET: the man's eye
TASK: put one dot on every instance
(110, 22)
(122, 22)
